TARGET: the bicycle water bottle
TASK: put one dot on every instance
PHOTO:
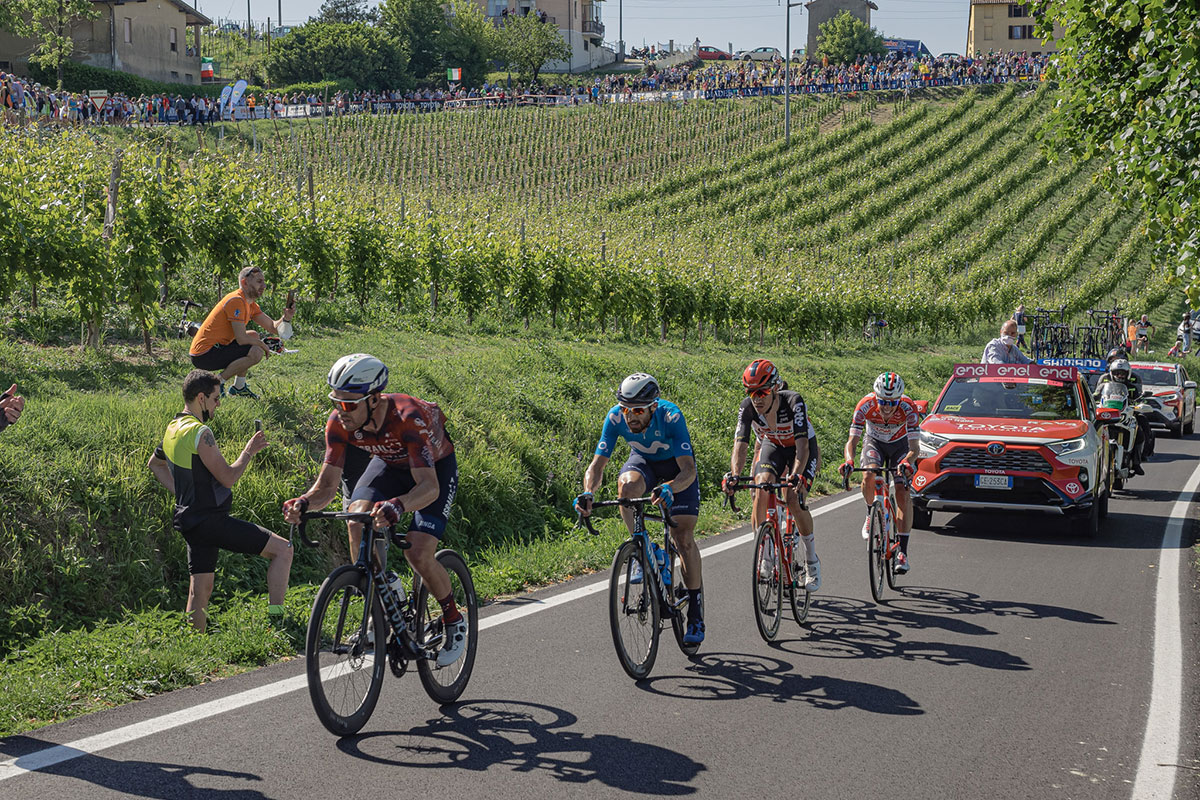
(397, 585)
(660, 556)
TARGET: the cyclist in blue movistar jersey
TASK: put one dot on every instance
(661, 459)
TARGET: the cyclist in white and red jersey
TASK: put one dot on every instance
(888, 418)
(785, 448)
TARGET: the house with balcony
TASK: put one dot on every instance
(147, 38)
(1004, 26)
(578, 21)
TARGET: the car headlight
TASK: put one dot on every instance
(930, 443)
(1069, 446)
(1170, 397)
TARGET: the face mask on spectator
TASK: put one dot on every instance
(1008, 340)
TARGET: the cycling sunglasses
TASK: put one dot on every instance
(637, 411)
(887, 403)
(758, 393)
(346, 405)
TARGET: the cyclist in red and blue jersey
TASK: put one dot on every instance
(661, 460)
(889, 420)
(412, 469)
(785, 447)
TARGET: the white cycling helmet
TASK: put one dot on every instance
(359, 373)
(639, 389)
(889, 386)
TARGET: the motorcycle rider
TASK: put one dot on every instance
(1135, 391)
(1120, 372)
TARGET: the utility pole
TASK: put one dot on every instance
(620, 30)
(248, 34)
(787, 74)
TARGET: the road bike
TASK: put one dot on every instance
(646, 588)
(883, 541)
(361, 623)
(775, 571)
(187, 329)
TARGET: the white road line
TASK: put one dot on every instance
(1156, 770)
(57, 754)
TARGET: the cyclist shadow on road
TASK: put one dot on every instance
(737, 676)
(843, 627)
(936, 606)
(529, 737)
(155, 780)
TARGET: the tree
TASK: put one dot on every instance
(1126, 72)
(469, 40)
(846, 37)
(354, 51)
(345, 11)
(527, 43)
(417, 25)
(49, 23)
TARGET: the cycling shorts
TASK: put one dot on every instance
(687, 502)
(355, 465)
(877, 454)
(220, 356)
(778, 460)
(380, 481)
(222, 532)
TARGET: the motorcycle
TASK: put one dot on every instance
(1122, 432)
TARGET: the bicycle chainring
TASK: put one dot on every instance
(397, 659)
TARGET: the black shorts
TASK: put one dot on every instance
(382, 482)
(222, 532)
(220, 356)
(353, 468)
(883, 454)
(687, 502)
(778, 460)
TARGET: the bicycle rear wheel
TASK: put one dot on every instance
(767, 582)
(679, 595)
(344, 652)
(633, 612)
(446, 684)
(797, 595)
(875, 553)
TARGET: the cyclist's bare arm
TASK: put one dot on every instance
(852, 446)
(243, 336)
(266, 323)
(162, 471)
(323, 490)
(595, 474)
(801, 456)
(738, 459)
(686, 476)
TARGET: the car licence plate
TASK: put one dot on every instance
(993, 482)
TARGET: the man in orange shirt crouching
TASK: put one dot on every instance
(224, 345)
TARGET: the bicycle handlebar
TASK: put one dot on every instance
(739, 482)
(359, 516)
(890, 470)
(627, 502)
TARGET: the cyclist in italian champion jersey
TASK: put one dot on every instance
(785, 447)
(412, 469)
(886, 422)
(661, 460)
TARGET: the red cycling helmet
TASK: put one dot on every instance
(760, 375)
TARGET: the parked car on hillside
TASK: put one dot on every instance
(282, 30)
(708, 53)
(759, 54)
(798, 54)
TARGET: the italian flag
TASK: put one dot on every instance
(454, 74)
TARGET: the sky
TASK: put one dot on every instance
(746, 24)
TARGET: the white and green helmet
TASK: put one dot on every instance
(889, 386)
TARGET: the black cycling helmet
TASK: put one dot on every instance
(1115, 353)
(639, 389)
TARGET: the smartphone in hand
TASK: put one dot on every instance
(258, 425)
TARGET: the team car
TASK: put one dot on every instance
(1015, 437)
(1172, 396)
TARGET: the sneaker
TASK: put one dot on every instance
(695, 632)
(454, 643)
(812, 581)
(866, 531)
(635, 572)
(1137, 470)
(245, 391)
(766, 563)
(901, 564)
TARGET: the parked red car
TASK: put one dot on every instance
(713, 54)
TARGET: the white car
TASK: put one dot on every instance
(1173, 393)
(759, 54)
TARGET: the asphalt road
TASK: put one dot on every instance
(1015, 663)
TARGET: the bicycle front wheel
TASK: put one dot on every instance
(799, 597)
(768, 582)
(446, 684)
(344, 652)
(633, 611)
(876, 556)
(889, 564)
